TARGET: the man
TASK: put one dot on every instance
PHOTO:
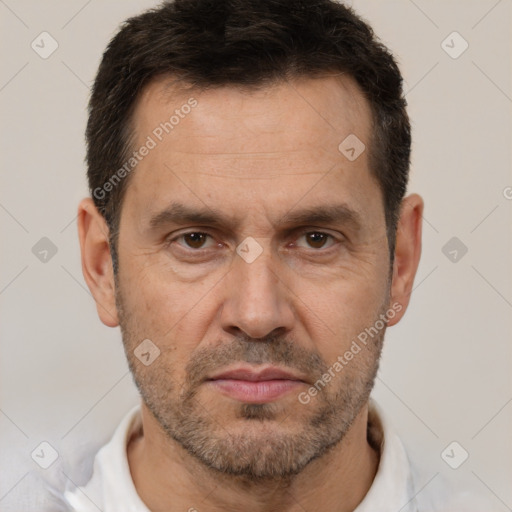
(248, 231)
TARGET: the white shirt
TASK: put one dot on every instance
(398, 485)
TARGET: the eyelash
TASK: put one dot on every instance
(169, 241)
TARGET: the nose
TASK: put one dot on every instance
(257, 300)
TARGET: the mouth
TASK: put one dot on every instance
(256, 386)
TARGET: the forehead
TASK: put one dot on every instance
(311, 110)
(248, 147)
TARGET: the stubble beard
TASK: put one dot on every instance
(261, 447)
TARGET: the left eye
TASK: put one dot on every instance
(317, 239)
(194, 240)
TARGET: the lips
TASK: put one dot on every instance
(253, 375)
(251, 385)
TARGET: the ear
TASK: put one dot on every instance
(97, 268)
(407, 253)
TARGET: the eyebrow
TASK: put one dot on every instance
(179, 213)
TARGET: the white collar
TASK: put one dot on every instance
(393, 487)
(111, 487)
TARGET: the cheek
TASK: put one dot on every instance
(170, 313)
(157, 312)
(341, 310)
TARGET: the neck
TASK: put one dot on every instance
(168, 478)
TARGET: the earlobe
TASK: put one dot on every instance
(407, 252)
(97, 269)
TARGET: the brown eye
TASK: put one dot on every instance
(317, 240)
(195, 240)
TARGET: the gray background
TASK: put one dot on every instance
(446, 373)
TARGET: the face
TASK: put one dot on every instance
(253, 253)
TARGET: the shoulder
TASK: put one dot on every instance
(431, 486)
(110, 484)
(438, 492)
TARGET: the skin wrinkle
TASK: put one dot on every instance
(293, 306)
(199, 436)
